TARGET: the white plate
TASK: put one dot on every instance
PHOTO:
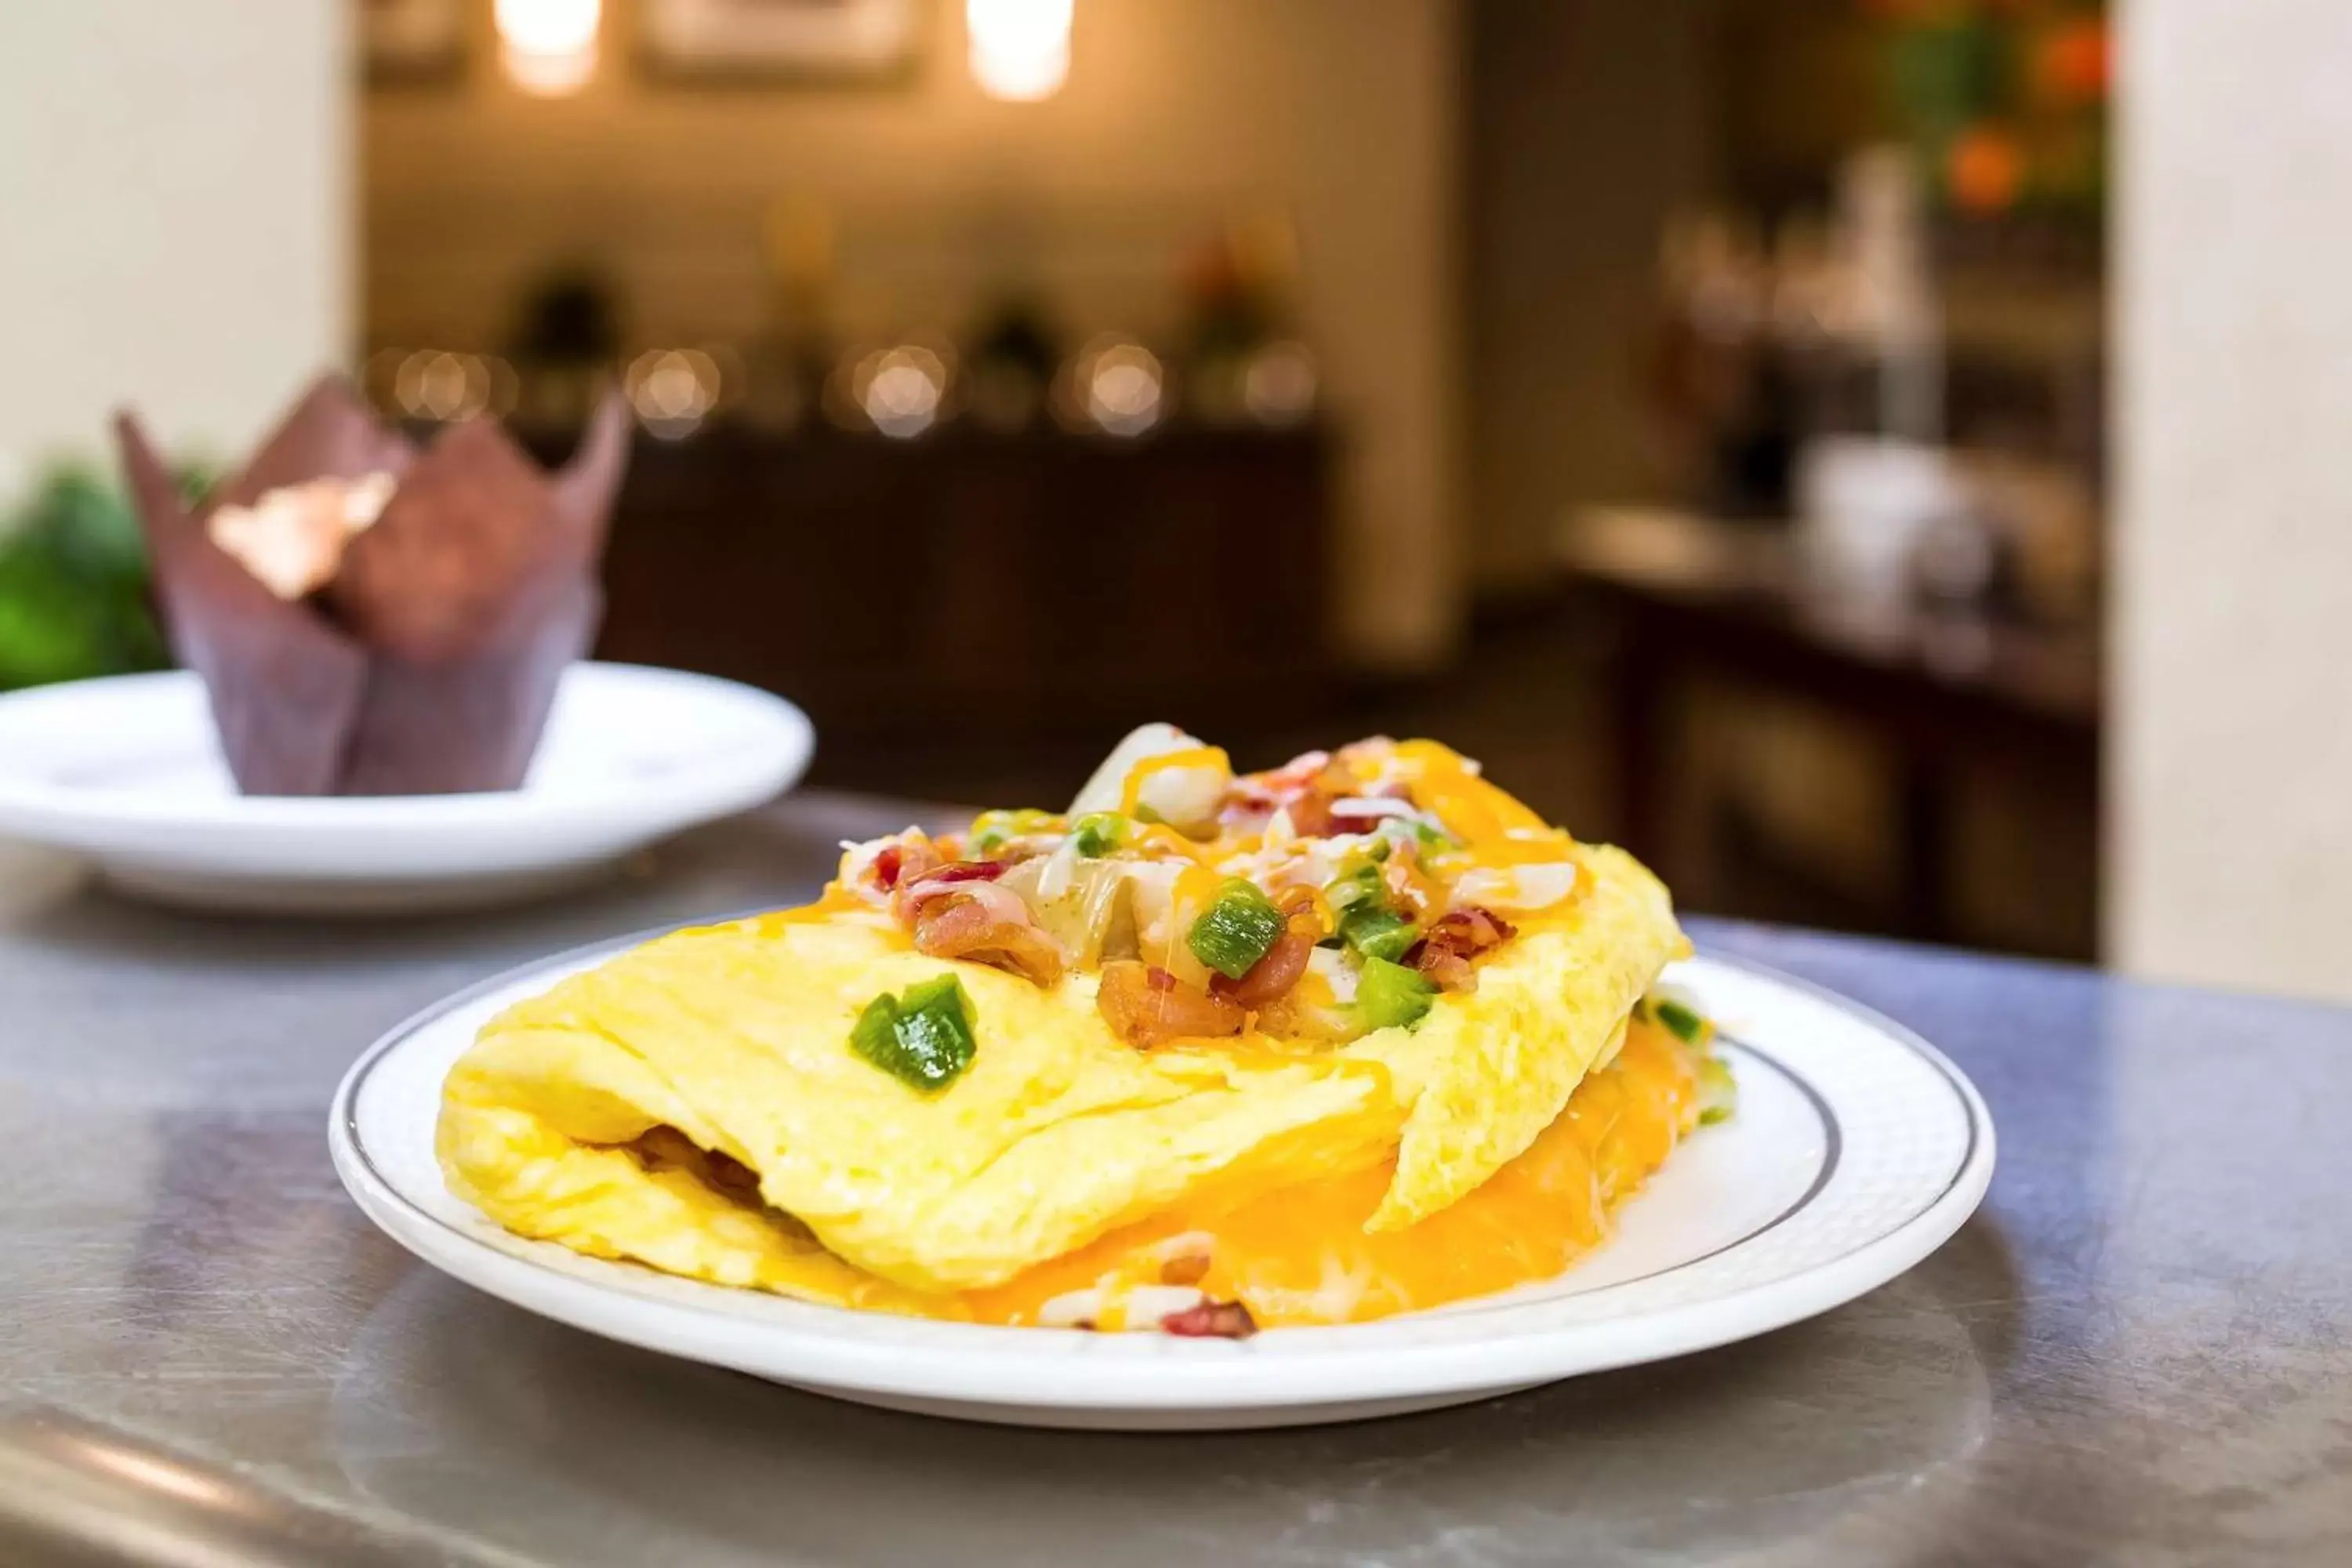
(128, 772)
(1857, 1151)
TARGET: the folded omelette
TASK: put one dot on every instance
(1205, 1053)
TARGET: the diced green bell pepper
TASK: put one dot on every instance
(922, 1036)
(1389, 995)
(1377, 932)
(1684, 1023)
(1718, 1091)
(1097, 833)
(1237, 929)
(991, 830)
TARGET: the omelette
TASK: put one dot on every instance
(1206, 1053)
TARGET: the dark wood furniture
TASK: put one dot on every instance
(1692, 600)
(965, 589)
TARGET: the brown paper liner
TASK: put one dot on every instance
(452, 618)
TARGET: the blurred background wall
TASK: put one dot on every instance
(1336, 118)
(2231, 806)
(176, 177)
(1590, 123)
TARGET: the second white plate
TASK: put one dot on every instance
(1857, 1151)
(126, 773)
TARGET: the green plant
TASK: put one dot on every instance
(2005, 100)
(73, 582)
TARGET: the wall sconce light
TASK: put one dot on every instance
(1020, 49)
(1115, 386)
(673, 390)
(549, 47)
(443, 386)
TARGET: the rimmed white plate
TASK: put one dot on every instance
(128, 772)
(1857, 1150)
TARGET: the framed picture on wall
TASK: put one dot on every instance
(754, 39)
(412, 41)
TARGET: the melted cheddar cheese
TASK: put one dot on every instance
(1302, 1255)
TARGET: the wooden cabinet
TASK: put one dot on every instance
(965, 583)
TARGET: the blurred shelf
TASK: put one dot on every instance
(1733, 591)
(1693, 600)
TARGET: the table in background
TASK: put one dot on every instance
(2138, 1352)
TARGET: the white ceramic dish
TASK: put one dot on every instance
(1856, 1152)
(126, 773)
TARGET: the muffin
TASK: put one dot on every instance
(373, 617)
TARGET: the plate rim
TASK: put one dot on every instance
(1199, 1375)
(38, 811)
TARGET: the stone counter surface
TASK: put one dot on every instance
(2139, 1350)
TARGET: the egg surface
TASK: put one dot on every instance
(1487, 1071)
(738, 1038)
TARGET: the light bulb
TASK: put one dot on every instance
(1020, 49)
(549, 47)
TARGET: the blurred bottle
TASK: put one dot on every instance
(1012, 364)
(1244, 361)
(786, 362)
(1723, 382)
(1881, 511)
(1892, 305)
(565, 345)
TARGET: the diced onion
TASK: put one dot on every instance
(857, 870)
(1371, 808)
(1517, 889)
(1060, 869)
(1102, 791)
(1332, 966)
(1186, 798)
(1080, 916)
(1313, 862)
(857, 860)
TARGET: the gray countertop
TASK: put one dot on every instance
(2139, 1350)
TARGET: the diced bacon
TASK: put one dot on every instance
(1475, 929)
(875, 870)
(1248, 807)
(1310, 814)
(966, 871)
(1210, 1320)
(1271, 977)
(972, 928)
(1146, 1007)
(1448, 969)
(958, 911)
(1444, 951)
(1297, 773)
(1302, 790)
(915, 892)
